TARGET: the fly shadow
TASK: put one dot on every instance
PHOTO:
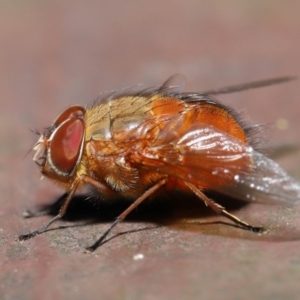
(166, 210)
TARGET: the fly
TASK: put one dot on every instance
(135, 144)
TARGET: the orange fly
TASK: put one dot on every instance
(133, 144)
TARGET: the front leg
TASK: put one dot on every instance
(83, 179)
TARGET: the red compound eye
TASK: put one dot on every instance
(72, 112)
(66, 144)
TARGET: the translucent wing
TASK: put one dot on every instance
(248, 86)
(177, 83)
(212, 159)
(266, 181)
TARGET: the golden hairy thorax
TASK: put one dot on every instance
(107, 120)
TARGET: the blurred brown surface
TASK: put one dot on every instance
(57, 53)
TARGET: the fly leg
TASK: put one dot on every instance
(61, 213)
(64, 206)
(125, 213)
(221, 210)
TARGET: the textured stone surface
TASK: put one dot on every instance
(57, 53)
